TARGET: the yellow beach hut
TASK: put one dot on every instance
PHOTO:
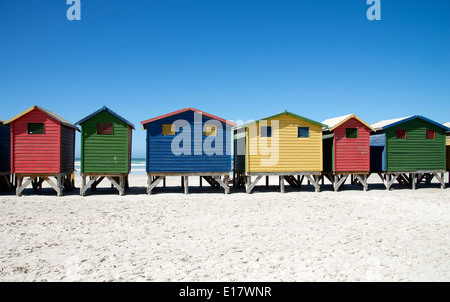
(285, 144)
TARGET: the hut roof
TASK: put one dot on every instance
(335, 122)
(280, 114)
(52, 114)
(144, 123)
(382, 125)
(104, 108)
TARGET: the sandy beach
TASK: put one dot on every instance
(352, 235)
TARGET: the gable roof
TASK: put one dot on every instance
(49, 113)
(335, 122)
(104, 108)
(280, 114)
(382, 125)
(144, 123)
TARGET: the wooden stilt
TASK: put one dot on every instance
(21, 187)
(440, 179)
(363, 180)
(223, 184)
(281, 178)
(152, 185)
(252, 185)
(186, 184)
(412, 177)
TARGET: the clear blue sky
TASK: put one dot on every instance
(237, 59)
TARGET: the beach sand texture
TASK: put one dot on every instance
(352, 235)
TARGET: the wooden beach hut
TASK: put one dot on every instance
(286, 145)
(106, 140)
(408, 150)
(188, 142)
(346, 150)
(5, 158)
(42, 146)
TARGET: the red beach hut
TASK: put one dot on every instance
(346, 146)
(42, 146)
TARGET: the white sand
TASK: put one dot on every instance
(379, 235)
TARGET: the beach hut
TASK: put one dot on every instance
(408, 150)
(346, 150)
(5, 158)
(286, 145)
(188, 142)
(42, 146)
(106, 139)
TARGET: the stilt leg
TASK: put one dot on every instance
(186, 184)
(281, 183)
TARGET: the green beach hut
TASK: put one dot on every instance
(408, 150)
(105, 149)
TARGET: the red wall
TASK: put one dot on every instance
(352, 154)
(37, 153)
(67, 149)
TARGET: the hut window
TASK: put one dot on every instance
(36, 128)
(303, 132)
(209, 131)
(351, 132)
(167, 129)
(266, 131)
(105, 129)
(401, 133)
(431, 134)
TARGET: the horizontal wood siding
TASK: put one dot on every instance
(105, 153)
(239, 150)
(160, 157)
(67, 149)
(415, 152)
(293, 153)
(448, 157)
(35, 153)
(130, 145)
(5, 148)
(352, 154)
(448, 151)
(378, 152)
(328, 154)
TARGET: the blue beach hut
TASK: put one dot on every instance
(188, 142)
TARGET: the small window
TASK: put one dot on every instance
(104, 129)
(431, 134)
(36, 128)
(266, 131)
(167, 129)
(209, 130)
(401, 133)
(303, 132)
(351, 132)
